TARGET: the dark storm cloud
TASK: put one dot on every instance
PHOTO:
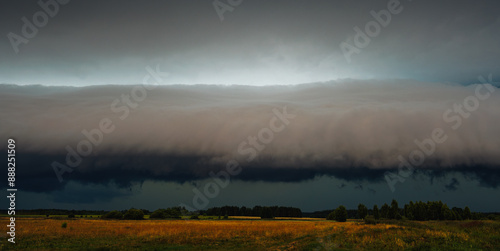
(453, 185)
(486, 174)
(76, 194)
(353, 130)
(124, 171)
(260, 42)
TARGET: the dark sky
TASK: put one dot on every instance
(225, 81)
(257, 43)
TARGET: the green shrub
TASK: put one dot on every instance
(194, 217)
(113, 215)
(64, 225)
(134, 214)
(158, 214)
(71, 216)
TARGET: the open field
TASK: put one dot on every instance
(81, 233)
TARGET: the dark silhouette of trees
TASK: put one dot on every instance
(267, 213)
(458, 212)
(255, 211)
(407, 212)
(420, 211)
(341, 214)
(376, 213)
(113, 215)
(384, 211)
(394, 211)
(434, 210)
(467, 214)
(169, 213)
(158, 214)
(134, 214)
(446, 213)
(331, 216)
(362, 211)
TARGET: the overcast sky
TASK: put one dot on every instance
(332, 93)
(257, 43)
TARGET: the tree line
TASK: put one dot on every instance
(60, 212)
(259, 211)
(226, 211)
(419, 211)
(138, 214)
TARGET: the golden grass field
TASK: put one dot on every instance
(250, 234)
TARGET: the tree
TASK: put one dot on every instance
(257, 210)
(362, 211)
(467, 213)
(491, 217)
(267, 213)
(458, 213)
(384, 211)
(158, 214)
(113, 215)
(133, 214)
(446, 212)
(394, 211)
(376, 214)
(434, 211)
(173, 213)
(477, 216)
(341, 214)
(331, 216)
(409, 211)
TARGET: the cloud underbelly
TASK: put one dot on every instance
(340, 125)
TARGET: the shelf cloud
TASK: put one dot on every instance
(352, 129)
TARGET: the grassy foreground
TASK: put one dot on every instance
(238, 234)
